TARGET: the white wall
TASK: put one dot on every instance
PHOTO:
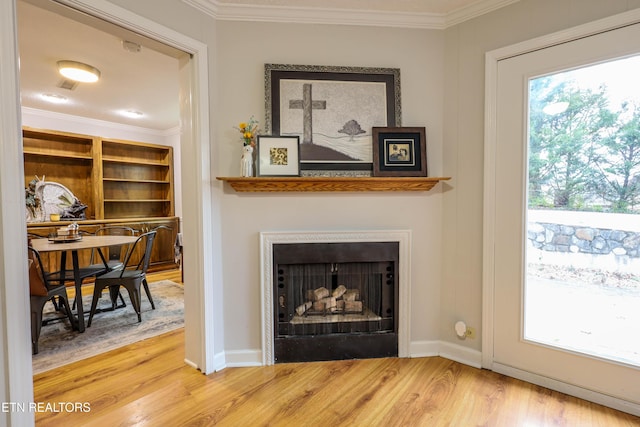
(442, 75)
(242, 51)
(442, 89)
(465, 48)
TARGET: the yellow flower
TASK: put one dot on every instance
(249, 130)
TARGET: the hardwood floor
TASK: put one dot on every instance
(174, 275)
(148, 384)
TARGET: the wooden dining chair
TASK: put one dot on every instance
(132, 278)
(115, 255)
(42, 290)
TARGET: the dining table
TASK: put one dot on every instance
(74, 245)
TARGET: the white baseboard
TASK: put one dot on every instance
(447, 350)
(424, 349)
(218, 364)
(582, 393)
(243, 358)
(219, 361)
(458, 353)
(190, 363)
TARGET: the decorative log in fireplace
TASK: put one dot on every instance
(335, 300)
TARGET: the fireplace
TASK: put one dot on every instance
(334, 296)
(335, 301)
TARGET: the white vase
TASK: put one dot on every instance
(246, 163)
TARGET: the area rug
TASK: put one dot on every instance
(60, 345)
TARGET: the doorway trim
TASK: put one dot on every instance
(199, 219)
(492, 58)
(15, 365)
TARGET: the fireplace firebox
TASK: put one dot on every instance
(335, 301)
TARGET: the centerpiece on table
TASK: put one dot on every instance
(249, 130)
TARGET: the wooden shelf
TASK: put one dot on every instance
(57, 144)
(136, 162)
(146, 181)
(61, 155)
(137, 201)
(315, 184)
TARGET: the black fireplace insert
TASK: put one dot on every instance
(335, 301)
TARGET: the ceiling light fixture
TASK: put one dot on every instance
(133, 114)
(54, 98)
(78, 71)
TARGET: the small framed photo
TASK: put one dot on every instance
(399, 151)
(278, 156)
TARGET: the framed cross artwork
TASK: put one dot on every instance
(332, 110)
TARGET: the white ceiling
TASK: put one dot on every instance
(148, 81)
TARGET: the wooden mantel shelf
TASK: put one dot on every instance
(310, 183)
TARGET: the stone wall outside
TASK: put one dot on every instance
(584, 239)
(598, 241)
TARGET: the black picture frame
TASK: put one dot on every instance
(277, 155)
(349, 102)
(399, 151)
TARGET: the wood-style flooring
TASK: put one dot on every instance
(148, 384)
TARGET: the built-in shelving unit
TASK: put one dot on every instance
(114, 178)
(137, 179)
(310, 184)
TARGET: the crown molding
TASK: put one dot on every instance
(463, 14)
(86, 121)
(311, 15)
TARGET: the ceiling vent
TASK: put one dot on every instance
(67, 84)
(130, 46)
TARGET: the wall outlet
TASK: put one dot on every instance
(471, 332)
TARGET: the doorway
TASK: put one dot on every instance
(200, 240)
(511, 289)
(198, 203)
(136, 72)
